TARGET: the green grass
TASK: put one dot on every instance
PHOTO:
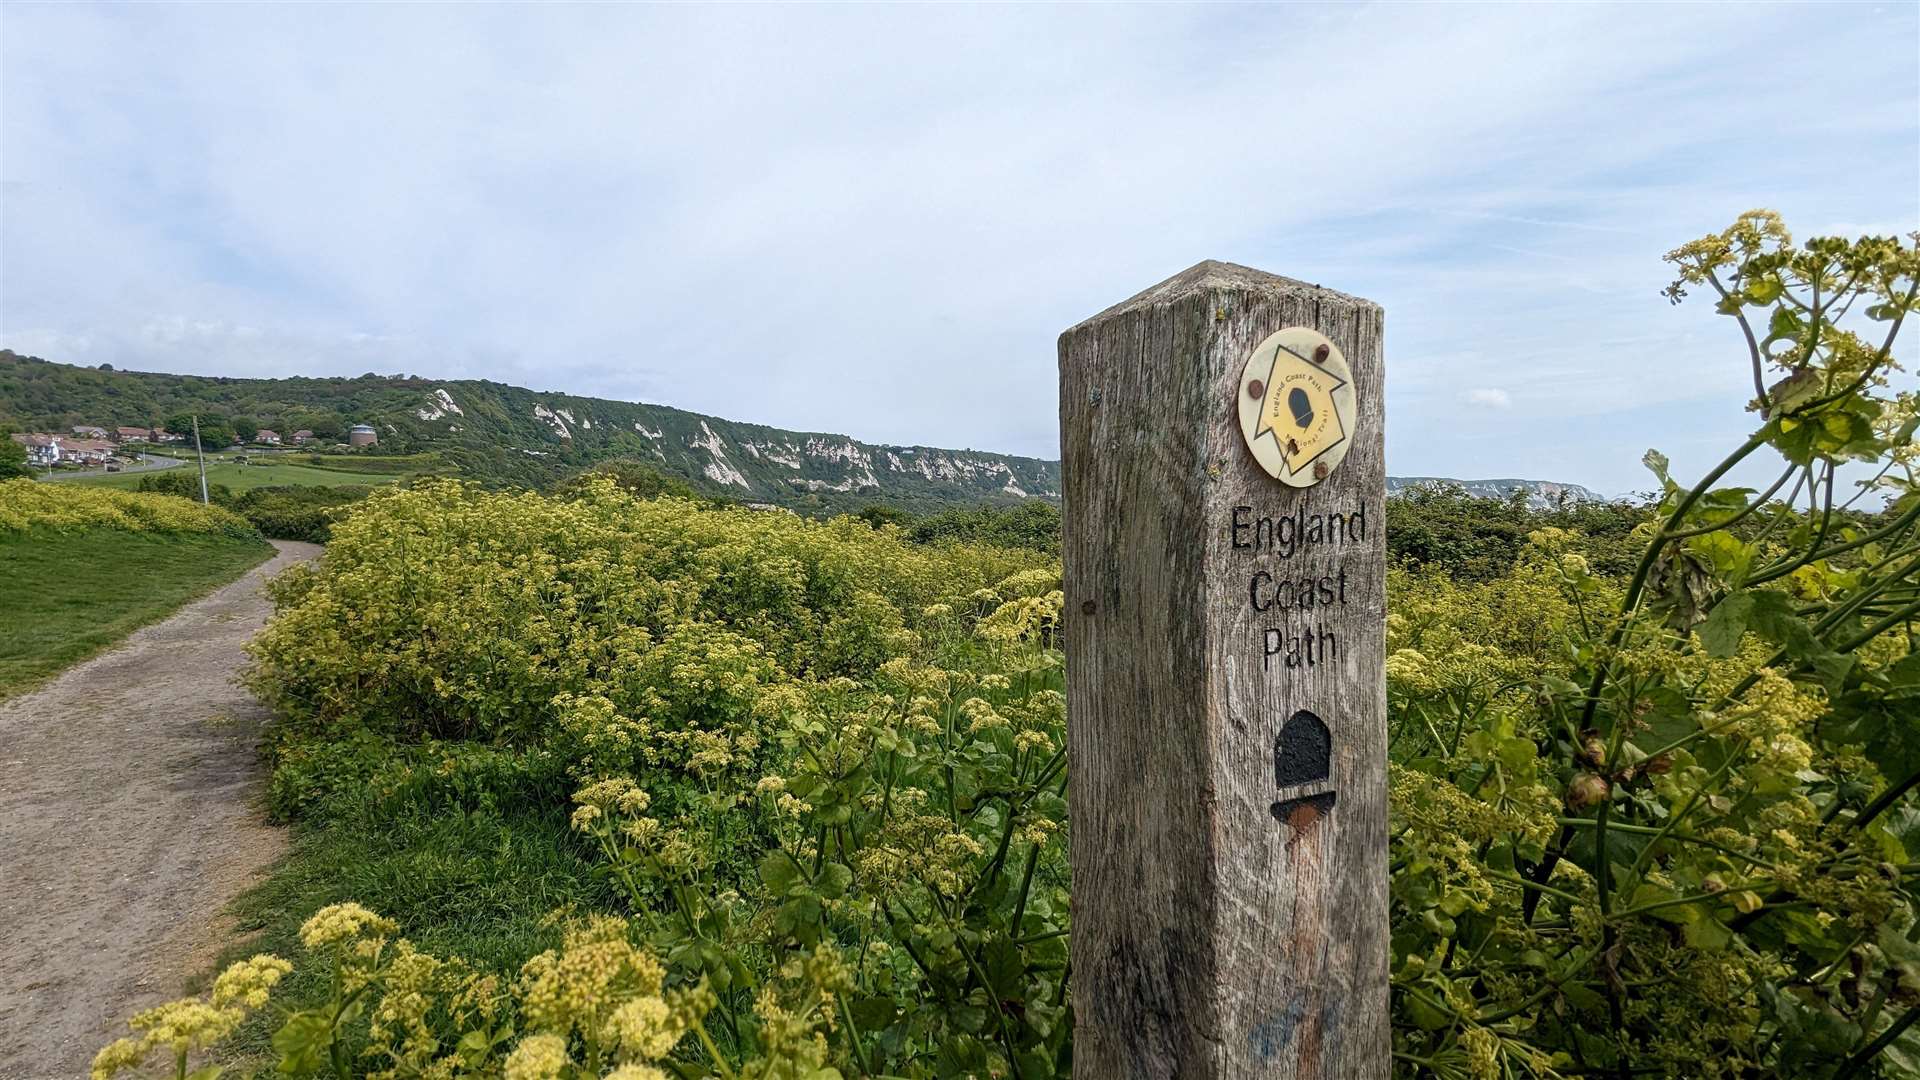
(69, 595)
(247, 477)
(478, 882)
(403, 464)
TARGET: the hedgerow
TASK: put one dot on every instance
(1650, 817)
(27, 504)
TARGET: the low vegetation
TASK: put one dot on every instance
(601, 785)
(262, 471)
(26, 505)
(79, 570)
(295, 512)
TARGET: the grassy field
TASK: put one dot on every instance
(247, 477)
(69, 595)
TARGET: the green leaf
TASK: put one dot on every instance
(873, 1013)
(1795, 390)
(1726, 624)
(778, 872)
(1708, 933)
(303, 1042)
(1785, 323)
(833, 880)
(474, 1046)
(1832, 669)
(1669, 717)
(968, 1018)
(1774, 618)
(1517, 754)
(1001, 962)
(1903, 677)
(1035, 1065)
(1679, 914)
(1426, 1015)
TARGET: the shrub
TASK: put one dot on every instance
(185, 484)
(26, 504)
(452, 612)
(1471, 538)
(631, 475)
(297, 512)
(1658, 824)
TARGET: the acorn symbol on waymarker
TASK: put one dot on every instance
(1301, 406)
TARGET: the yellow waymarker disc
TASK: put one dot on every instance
(1296, 405)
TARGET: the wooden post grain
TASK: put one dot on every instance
(1220, 928)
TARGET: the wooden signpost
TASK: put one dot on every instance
(1226, 602)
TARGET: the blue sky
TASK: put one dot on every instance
(875, 220)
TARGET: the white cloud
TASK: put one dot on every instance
(887, 214)
(1488, 398)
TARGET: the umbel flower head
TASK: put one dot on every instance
(189, 1024)
(337, 923)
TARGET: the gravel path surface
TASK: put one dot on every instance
(128, 819)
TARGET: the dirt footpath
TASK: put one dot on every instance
(128, 819)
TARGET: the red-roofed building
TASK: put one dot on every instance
(86, 451)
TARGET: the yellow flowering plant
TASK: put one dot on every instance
(1658, 824)
(913, 864)
(28, 504)
(1652, 781)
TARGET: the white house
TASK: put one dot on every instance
(267, 437)
(42, 450)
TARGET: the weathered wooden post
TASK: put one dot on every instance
(1226, 602)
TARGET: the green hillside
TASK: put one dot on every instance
(503, 434)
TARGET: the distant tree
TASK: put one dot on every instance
(244, 428)
(1474, 538)
(13, 458)
(215, 432)
(327, 427)
(106, 367)
(878, 515)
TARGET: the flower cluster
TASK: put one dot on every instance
(179, 1028)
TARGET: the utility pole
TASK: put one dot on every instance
(1225, 484)
(202, 455)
